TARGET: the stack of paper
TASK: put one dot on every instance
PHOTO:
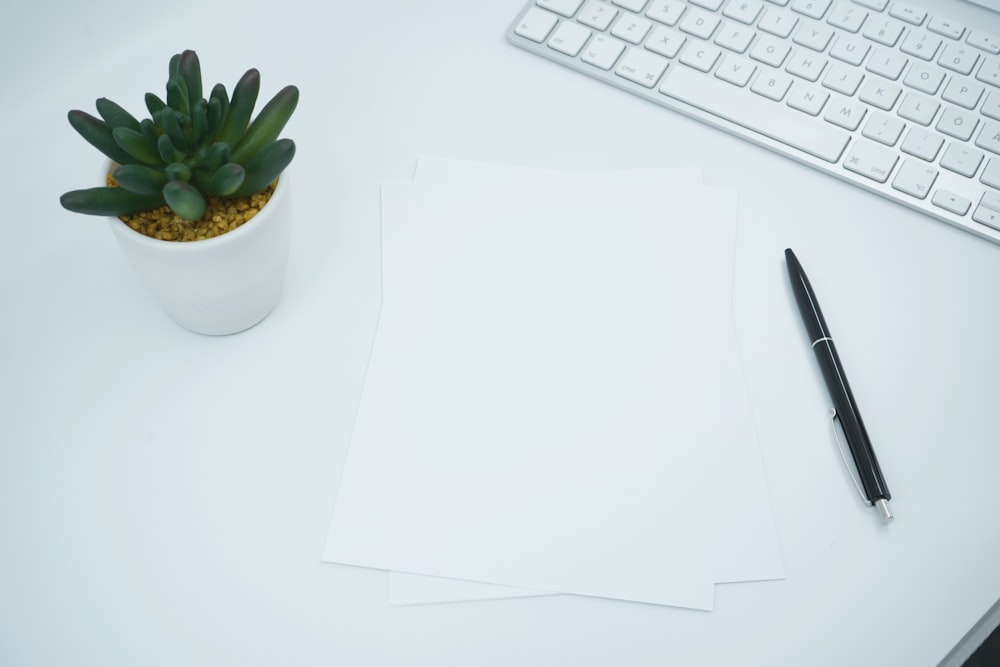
(554, 402)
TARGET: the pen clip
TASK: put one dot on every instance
(835, 419)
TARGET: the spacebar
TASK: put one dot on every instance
(754, 112)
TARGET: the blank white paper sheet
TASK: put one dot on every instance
(554, 400)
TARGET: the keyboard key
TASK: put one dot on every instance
(772, 85)
(884, 31)
(813, 36)
(563, 7)
(915, 178)
(990, 72)
(921, 45)
(845, 113)
(735, 37)
(871, 160)
(710, 5)
(602, 52)
(642, 67)
(887, 62)
(883, 128)
(843, 79)
(699, 23)
(991, 200)
(569, 38)
(988, 211)
(880, 93)
(536, 24)
(991, 174)
(907, 13)
(991, 107)
(744, 11)
(806, 65)
(877, 5)
(985, 41)
(946, 27)
(961, 92)
(919, 109)
(987, 216)
(700, 56)
(665, 41)
(773, 52)
(951, 202)
(851, 50)
(989, 138)
(631, 5)
(808, 99)
(631, 28)
(597, 14)
(756, 113)
(667, 12)
(736, 70)
(924, 78)
(847, 17)
(961, 159)
(957, 123)
(958, 58)
(922, 143)
(814, 9)
(778, 23)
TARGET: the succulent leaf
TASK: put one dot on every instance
(178, 171)
(109, 201)
(136, 145)
(177, 95)
(154, 104)
(140, 179)
(227, 179)
(214, 115)
(219, 94)
(184, 200)
(241, 107)
(149, 130)
(115, 116)
(201, 179)
(98, 134)
(190, 69)
(168, 152)
(217, 155)
(174, 66)
(170, 121)
(266, 166)
(268, 124)
(199, 122)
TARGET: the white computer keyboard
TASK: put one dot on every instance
(876, 92)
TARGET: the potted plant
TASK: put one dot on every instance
(194, 196)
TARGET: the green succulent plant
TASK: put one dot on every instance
(190, 148)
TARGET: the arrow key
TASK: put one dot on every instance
(987, 216)
(951, 202)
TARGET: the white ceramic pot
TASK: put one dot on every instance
(221, 285)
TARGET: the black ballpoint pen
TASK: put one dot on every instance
(872, 483)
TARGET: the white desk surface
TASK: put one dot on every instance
(165, 497)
